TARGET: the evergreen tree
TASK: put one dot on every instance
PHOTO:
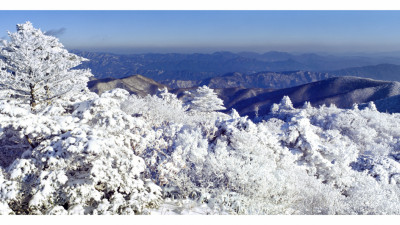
(36, 69)
(203, 99)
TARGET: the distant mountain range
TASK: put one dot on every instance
(275, 80)
(279, 80)
(341, 91)
(249, 81)
(195, 67)
(388, 72)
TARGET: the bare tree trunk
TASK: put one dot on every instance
(48, 101)
(33, 99)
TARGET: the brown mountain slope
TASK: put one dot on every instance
(136, 84)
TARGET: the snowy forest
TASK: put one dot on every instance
(66, 150)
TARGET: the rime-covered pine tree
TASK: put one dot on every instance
(36, 69)
(203, 99)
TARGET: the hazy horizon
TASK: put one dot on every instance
(188, 31)
(127, 51)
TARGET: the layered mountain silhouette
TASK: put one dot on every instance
(389, 72)
(274, 80)
(341, 91)
(195, 67)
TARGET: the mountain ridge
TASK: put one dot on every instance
(135, 84)
(196, 66)
(341, 91)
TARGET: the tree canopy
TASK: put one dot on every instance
(203, 99)
(36, 68)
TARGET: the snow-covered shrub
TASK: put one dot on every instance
(352, 149)
(160, 109)
(103, 160)
(243, 169)
(298, 161)
(83, 164)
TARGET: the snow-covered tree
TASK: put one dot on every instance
(284, 104)
(123, 154)
(84, 163)
(203, 99)
(36, 69)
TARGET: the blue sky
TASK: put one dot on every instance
(208, 31)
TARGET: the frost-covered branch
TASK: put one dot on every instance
(37, 64)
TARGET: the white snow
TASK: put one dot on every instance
(123, 154)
